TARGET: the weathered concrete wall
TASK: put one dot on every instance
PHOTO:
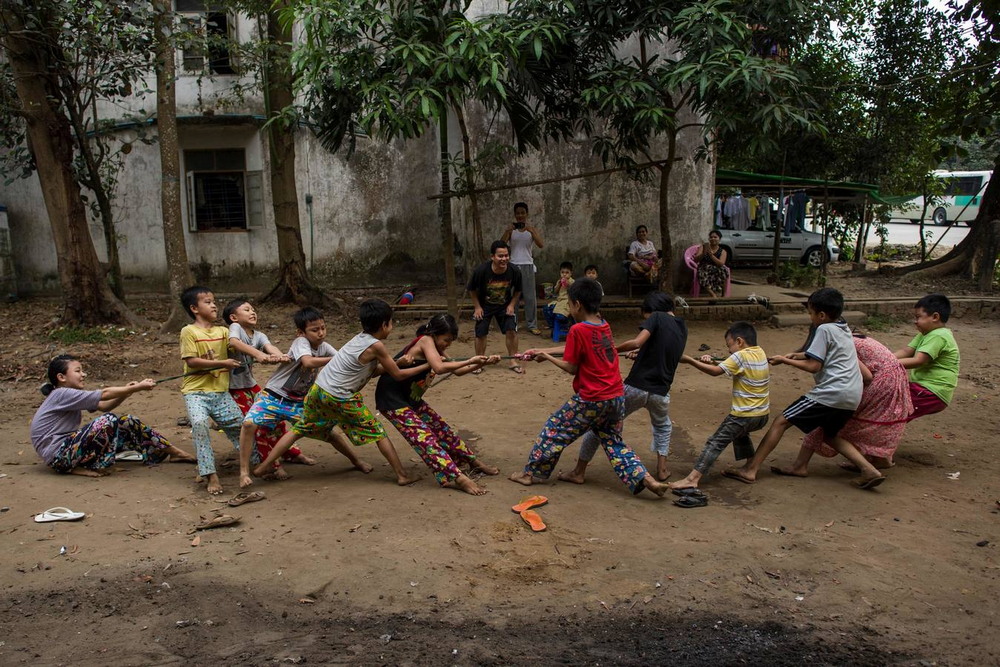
(371, 219)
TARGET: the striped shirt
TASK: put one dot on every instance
(751, 376)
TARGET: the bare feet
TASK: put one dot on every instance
(485, 468)
(363, 467)
(656, 487)
(686, 483)
(304, 460)
(86, 472)
(662, 474)
(522, 478)
(572, 476)
(245, 481)
(463, 483)
(790, 471)
(214, 485)
(403, 480)
(175, 455)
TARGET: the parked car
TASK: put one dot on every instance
(757, 245)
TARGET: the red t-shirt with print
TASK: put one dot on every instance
(591, 348)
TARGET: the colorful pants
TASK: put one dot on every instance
(322, 411)
(431, 437)
(265, 438)
(658, 407)
(220, 406)
(94, 446)
(577, 417)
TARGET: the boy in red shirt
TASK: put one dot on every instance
(597, 404)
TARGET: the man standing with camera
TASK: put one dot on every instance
(522, 239)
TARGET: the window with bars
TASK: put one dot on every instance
(221, 193)
(207, 32)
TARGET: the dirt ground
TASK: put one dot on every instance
(340, 567)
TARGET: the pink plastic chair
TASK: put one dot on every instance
(693, 265)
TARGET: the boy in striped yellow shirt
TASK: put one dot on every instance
(747, 366)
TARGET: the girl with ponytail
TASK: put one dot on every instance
(401, 402)
(90, 451)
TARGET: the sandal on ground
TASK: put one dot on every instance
(529, 503)
(128, 455)
(868, 484)
(535, 330)
(534, 520)
(691, 501)
(58, 514)
(217, 522)
(241, 498)
(517, 369)
(477, 371)
(689, 492)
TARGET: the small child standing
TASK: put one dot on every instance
(335, 398)
(559, 306)
(658, 348)
(747, 366)
(831, 358)
(205, 386)
(281, 400)
(402, 403)
(597, 404)
(931, 357)
(591, 272)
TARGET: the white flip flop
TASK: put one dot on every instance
(128, 455)
(58, 514)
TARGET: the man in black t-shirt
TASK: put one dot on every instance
(495, 287)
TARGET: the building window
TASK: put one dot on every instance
(207, 33)
(221, 193)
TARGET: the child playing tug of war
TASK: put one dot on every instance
(335, 398)
(597, 404)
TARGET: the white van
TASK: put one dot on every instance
(960, 202)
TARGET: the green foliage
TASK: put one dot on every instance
(392, 69)
(74, 334)
(793, 274)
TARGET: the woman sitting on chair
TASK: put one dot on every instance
(712, 269)
(644, 261)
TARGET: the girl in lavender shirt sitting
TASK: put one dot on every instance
(89, 451)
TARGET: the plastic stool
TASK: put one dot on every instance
(560, 328)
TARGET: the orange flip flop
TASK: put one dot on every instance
(528, 503)
(533, 519)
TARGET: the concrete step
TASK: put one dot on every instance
(801, 318)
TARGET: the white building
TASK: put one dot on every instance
(366, 219)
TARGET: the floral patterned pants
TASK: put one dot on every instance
(436, 443)
(94, 446)
(577, 417)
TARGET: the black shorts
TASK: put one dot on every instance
(499, 313)
(808, 415)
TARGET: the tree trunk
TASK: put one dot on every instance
(975, 256)
(444, 215)
(667, 265)
(87, 298)
(178, 269)
(479, 254)
(294, 284)
(94, 182)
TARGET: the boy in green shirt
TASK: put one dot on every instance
(931, 357)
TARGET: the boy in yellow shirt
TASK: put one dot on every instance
(205, 351)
